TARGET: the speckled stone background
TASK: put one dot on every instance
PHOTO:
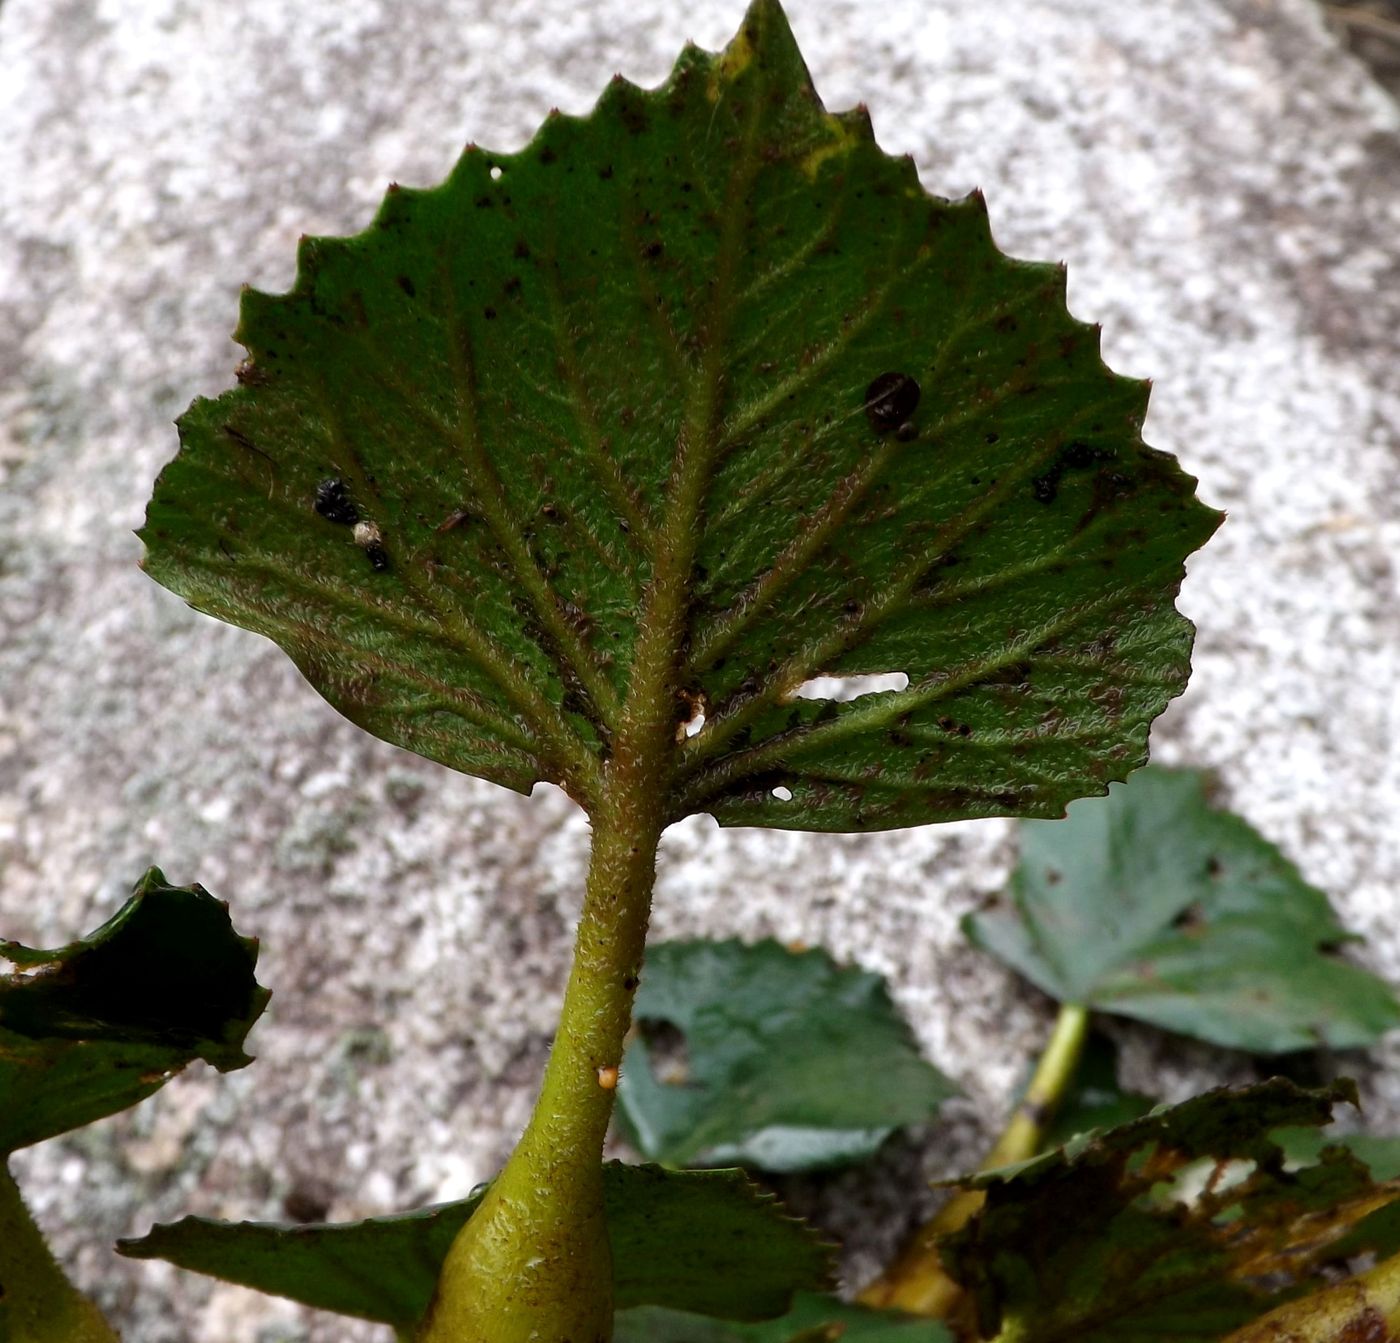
(1224, 182)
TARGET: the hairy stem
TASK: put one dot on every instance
(37, 1302)
(534, 1262)
(917, 1281)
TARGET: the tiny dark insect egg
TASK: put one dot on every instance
(890, 401)
(378, 557)
(333, 503)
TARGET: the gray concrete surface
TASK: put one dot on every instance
(1224, 183)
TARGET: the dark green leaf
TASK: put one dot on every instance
(704, 1241)
(1180, 1226)
(1151, 904)
(813, 1319)
(655, 373)
(790, 1061)
(102, 1023)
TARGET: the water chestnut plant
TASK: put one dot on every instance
(594, 466)
(687, 404)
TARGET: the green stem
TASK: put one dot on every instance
(37, 1302)
(534, 1263)
(917, 1281)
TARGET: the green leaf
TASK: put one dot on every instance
(813, 1319)
(1304, 1146)
(791, 1061)
(704, 1241)
(1182, 1225)
(1151, 904)
(706, 376)
(104, 1022)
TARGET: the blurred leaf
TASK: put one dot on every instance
(704, 1241)
(1303, 1146)
(790, 1061)
(104, 1022)
(1181, 1225)
(1151, 904)
(709, 367)
(813, 1319)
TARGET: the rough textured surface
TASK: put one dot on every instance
(1225, 186)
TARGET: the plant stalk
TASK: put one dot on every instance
(917, 1282)
(534, 1263)
(37, 1302)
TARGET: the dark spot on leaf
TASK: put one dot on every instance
(1053, 876)
(606, 172)
(547, 155)
(653, 249)
(1076, 456)
(992, 438)
(890, 400)
(512, 285)
(333, 502)
(1213, 866)
(408, 286)
(1192, 919)
(484, 202)
(1006, 323)
(489, 314)
(378, 557)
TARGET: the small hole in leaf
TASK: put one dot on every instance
(497, 172)
(783, 793)
(693, 705)
(851, 687)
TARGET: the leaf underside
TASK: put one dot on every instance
(1106, 1241)
(1151, 904)
(708, 1242)
(712, 321)
(96, 1026)
(791, 1061)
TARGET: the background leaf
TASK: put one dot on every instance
(704, 1241)
(708, 363)
(790, 1061)
(813, 1319)
(1181, 1225)
(1152, 904)
(93, 1027)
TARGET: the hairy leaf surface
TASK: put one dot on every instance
(790, 1061)
(1152, 904)
(93, 1027)
(706, 363)
(1179, 1226)
(709, 1242)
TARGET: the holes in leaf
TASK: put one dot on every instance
(497, 172)
(783, 793)
(851, 687)
(693, 714)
